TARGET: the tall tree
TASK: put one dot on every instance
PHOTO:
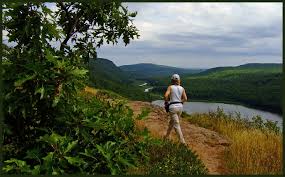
(47, 67)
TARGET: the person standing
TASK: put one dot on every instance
(175, 96)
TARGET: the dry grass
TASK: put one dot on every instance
(91, 90)
(103, 95)
(253, 151)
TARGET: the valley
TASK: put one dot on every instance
(253, 85)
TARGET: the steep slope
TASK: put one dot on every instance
(105, 74)
(105, 70)
(148, 70)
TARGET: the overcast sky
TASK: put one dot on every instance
(202, 35)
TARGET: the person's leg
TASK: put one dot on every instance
(179, 111)
(170, 125)
(176, 125)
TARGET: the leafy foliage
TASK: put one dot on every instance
(167, 158)
(101, 138)
(44, 114)
(51, 127)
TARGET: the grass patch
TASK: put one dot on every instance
(256, 145)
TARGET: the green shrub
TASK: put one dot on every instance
(168, 158)
(50, 128)
(101, 139)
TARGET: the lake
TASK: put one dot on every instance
(205, 107)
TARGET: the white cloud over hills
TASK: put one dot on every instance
(201, 34)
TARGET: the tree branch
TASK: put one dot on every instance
(71, 28)
(63, 7)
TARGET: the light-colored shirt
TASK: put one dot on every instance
(175, 95)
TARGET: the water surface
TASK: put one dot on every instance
(205, 107)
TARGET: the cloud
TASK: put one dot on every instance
(52, 6)
(205, 17)
(200, 34)
(211, 32)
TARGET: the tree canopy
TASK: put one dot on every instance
(44, 74)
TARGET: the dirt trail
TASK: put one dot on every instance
(209, 145)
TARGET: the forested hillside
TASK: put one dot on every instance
(147, 70)
(255, 85)
(105, 74)
(105, 70)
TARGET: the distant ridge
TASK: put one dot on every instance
(261, 65)
(157, 65)
(254, 66)
(146, 70)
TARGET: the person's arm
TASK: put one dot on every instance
(184, 96)
(167, 93)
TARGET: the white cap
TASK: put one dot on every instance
(175, 77)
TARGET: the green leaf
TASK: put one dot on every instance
(106, 150)
(51, 139)
(55, 101)
(8, 168)
(36, 170)
(50, 57)
(78, 72)
(53, 31)
(103, 152)
(91, 124)
(40, 90)
(46, 10)
(32, 154)
(88, 153)
(56, 171)
(74, 160)
(125, 162)
(70, 146)
(22, 165)
(20, 82)
(48, 161)
(61, 64)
